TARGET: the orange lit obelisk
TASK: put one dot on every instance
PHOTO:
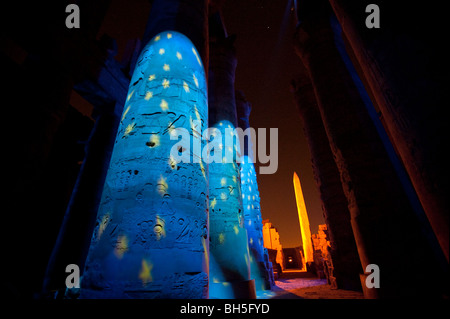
(304, 221)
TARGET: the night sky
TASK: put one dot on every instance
(266, 64)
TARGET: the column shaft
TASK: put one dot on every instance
(251, 200)
(151, 238)
(229, 258)
(334, 203)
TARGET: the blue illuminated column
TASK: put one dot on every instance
(151, 238)
(229, 255)
(250, 198)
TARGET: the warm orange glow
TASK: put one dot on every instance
(304, 221)
(271, 239)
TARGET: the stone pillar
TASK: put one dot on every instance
(79, 221)
(347, 266)
(151, 238)
(49, 51)
(399, 62)
(251, 199)
(108, 93)
(376, 200)
(303, 219)
(229, 254)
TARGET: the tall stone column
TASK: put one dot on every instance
(188, 17)
(79, 221)
(229, 255)
(151, 238)
(347, 266)
(399, 62)
(49, 51)
(376, 200)
(251, 199)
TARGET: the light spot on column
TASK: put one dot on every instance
(148, 95)
(103, 224)
(172, 162)
(195, 80)
(213, 203)
(129, 128)
(126, 111)
(121, 246)
(221, 238)
(186, 87)
(202, 168)
(154, 141)
(164, 105)
(159, 228)
(196, 55)
(162, 186)
(205, 250)
(172, 130)
(145, 274)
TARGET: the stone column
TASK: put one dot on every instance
(151, 238)
(376, 200)
(399, 62)
(250, 198)
(229, 255)
(188, 17)
(347, 266)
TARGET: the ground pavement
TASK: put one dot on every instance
(297, 284)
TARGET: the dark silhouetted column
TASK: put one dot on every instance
(347, 266)
(378, 206)
(229, 254)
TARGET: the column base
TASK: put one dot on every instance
(233, 290)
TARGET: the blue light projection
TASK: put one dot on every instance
(151, 238)
(230, 260)
(260, 267)
(253, 221)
